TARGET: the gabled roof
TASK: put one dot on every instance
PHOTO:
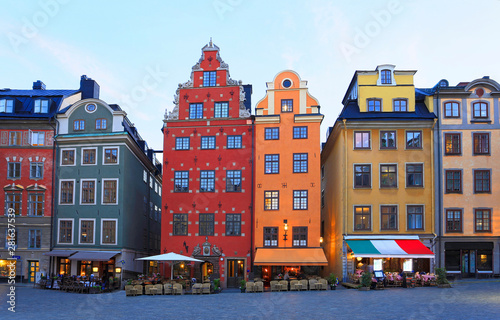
(351, 112)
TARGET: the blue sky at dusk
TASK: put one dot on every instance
(138, 51)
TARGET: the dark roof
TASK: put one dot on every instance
(351, 112)
(37, 93)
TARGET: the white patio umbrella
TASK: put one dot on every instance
(171, 257)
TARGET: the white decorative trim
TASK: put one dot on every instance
(60, 190)
(88, 104)
(61, 157)
(80, 231)
(117, 156)
(72, 230)
(81, 191)
(102, 191)
(81, 158)
(116, 232)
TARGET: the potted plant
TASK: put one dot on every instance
(366, 281)
(217, 288)
(333, 281)
(441, 280)
(243, 285)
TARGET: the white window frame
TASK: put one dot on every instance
(61, 156)
(32, 133)
(81, 192)
(96, 154)
(380, 176)
(72, 230)
(145, 176)
(117, 155)
(354, 217)
(398, 217)
(40, 101)
(102, 191)
(80, 231)
(60, 190)
(4, 103)
(116, 232)
(423, 217)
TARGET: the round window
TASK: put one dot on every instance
(90, 107)
(287, 83)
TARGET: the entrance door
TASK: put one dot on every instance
(468, 263)
(34, 267)
(235, 272)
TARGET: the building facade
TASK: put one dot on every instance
(378, 176)
(287, 188)
(207, 185)
(108, 192)
(27, 122)
(466, 165)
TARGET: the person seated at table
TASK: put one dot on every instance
(403, 277)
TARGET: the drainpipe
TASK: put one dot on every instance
(252, 204)
(439, 181)
(344, 248)
(54, 177)
(433, 195)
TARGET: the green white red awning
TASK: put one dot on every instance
(400, 248)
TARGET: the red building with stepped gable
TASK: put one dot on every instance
(207, 185)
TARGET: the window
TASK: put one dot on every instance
(299, 235)
(209, 78)
(68, 157)
(110, 155)
(451, 109)
(374, 105)
(299, 199)
(221, 110)
(453, 181)
(388, 176)
(271, 133)
(234, 142)
(65, 231)
(362, 218)
(14, 170)
(86, 231)
(482, 181)
(400, 105)
(453, 220)
(270, 236)
(196, 111)
(35, 203)
(271, 200)
(482, 220)
(6, 105)
(300, 132)
(15, 138)
(181, 181)
(151, 182)
(109, 193)
(207, 181)
(37, 139)
(233, 224)
(415, 217)
(180, 224)
(88, 192)
(207, 143)
(413, 139)
(66, 192)
(361, 140)
(109, 231)
(385, 76)
(41, 106)
(145, 176)
(286, 105)
(206, 224)
(271, 163)
(387, 139)
(35, 239)
(100, 124)
(13, 201)
(452, 144)
(299, 162)
(182, 143)
(88, 156)
(414, 175)
(79, 125)
(389, 217)
(11, 238)
(322, 198)
(233, 181)
(481, 143)
(480, 109)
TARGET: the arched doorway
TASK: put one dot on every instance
(207, 268)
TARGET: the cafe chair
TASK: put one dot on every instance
(177, 289)
(312, 284)
(148, 288)
(259, 286)
(322, 284)
(138, 288)
(275, 286)
(130, 290)
(167, 288)
(284, 285)
(294, 285)
(304, 283)
(205, 288)
(250, 287)
(159, 288)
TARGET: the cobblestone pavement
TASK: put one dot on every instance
(468, 299)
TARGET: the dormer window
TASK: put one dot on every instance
(386, 77)
(6, 105)
(41, 106)
(209, 78)
(400, 105)
(374, 105)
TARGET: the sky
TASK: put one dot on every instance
(139, 51)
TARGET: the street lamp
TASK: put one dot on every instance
(285, 227)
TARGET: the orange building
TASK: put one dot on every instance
(287, 195)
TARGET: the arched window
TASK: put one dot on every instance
(480, 110)
(451, 109)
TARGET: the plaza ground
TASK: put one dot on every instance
(468, 299)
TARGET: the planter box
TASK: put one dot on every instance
(446, 285)
(364, 289)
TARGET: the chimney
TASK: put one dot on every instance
(486, 77)
(89, 88)
(38, 85)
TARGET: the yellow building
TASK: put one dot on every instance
(377, 176)
(467, 160)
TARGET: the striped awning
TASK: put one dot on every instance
(399, 248)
